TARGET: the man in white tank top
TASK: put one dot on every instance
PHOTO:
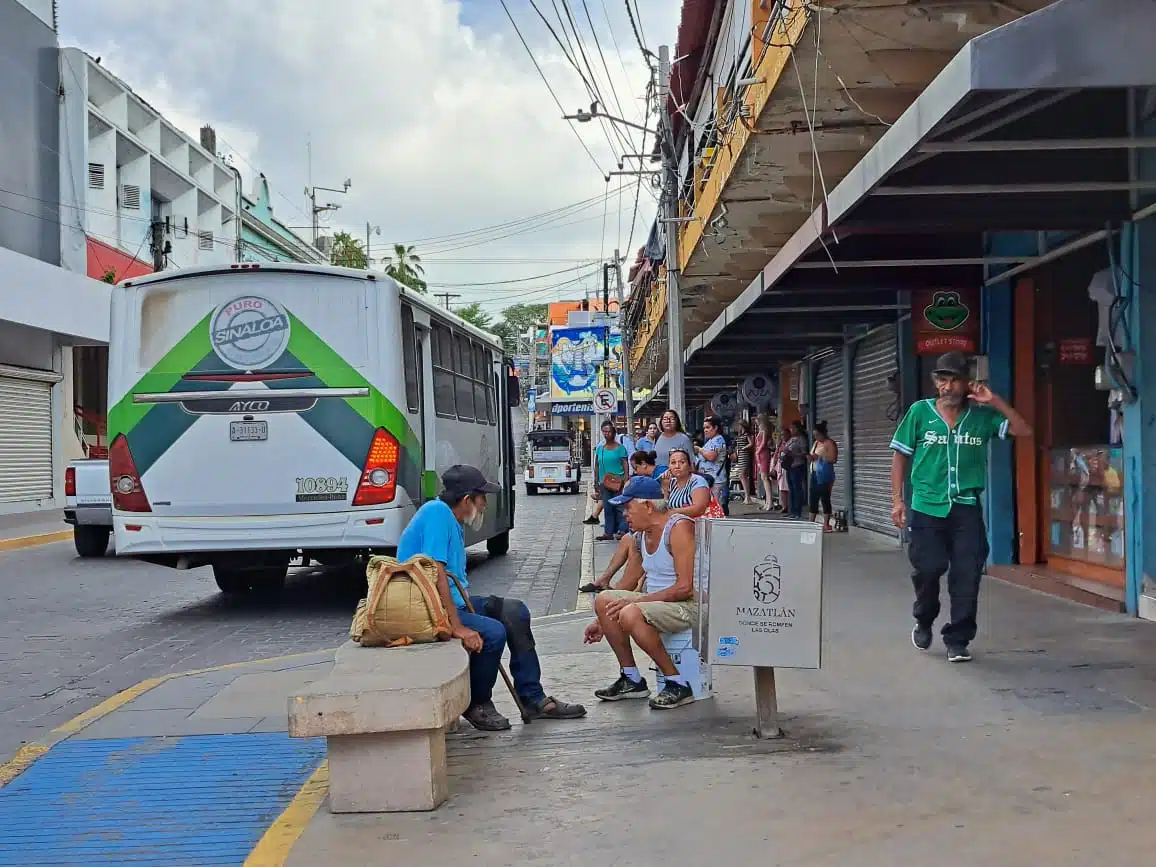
(668, 605)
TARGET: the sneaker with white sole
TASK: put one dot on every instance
(958, 654)
(921, 636)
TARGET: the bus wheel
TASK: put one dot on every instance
(264, 581)
(531, 490)
(90, 541)
(499, 546)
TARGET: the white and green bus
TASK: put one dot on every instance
(265, 412)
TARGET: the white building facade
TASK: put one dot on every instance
(137, 195)
(44, 309)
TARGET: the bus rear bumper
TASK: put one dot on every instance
(138, 534)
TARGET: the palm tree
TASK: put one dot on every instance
(476, 316)
(347, 251)
(405, 267)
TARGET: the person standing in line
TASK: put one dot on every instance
(712, 456)
(672, 436)
(764, 450)
(610, 461)
(824, 454)
(744, 451)
(941, 443)
(649, 441)
(780, 463)
(794, 464)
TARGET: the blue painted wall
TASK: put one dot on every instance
(1138, 274)
(998, 345)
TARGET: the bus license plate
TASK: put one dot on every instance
(248, 431)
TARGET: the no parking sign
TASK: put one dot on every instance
(605, 401)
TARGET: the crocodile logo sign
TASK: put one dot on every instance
(943, 321)
(946, 311)
(250, 332)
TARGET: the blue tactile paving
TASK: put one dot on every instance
(200, 800)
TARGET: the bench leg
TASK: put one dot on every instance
(394, 772)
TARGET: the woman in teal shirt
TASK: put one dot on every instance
(610, 459)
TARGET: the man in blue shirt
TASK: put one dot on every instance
(436, 532)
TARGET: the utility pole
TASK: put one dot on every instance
(446, 297)
(676, 392)
(315, 209)
(627, 388)
(606, 326)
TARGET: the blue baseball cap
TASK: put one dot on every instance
(639, 488)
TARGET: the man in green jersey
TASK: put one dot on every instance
(943, 443)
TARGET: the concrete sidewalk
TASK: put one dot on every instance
(26, 529)
(1040, 751)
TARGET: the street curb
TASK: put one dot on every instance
(17, 543)
(586, 574)
(28, 754)
(273, 849)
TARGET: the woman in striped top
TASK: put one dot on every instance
(686, 492)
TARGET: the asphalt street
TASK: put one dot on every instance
(78, 631)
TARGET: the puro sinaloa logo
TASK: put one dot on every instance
(249, 332)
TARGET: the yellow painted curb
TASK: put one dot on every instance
(29, 753)
(272, 850)
(20, 762)
(19, 542)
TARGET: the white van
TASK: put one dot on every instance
(262, 412)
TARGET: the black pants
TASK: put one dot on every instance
(821, 497)
(957, 545)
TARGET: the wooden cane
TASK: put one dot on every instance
(526, 718)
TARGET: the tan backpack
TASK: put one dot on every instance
(402, 606)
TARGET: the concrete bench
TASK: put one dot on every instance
(384, 713)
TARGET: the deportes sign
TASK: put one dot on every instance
(250, 332)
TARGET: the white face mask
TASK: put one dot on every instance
(476, 518)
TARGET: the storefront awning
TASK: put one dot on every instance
(1030, 127)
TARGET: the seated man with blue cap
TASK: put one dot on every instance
(666, 604)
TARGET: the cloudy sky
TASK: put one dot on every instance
(432, 108)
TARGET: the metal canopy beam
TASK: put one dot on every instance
(1052, 144)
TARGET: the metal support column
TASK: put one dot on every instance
(674, 375)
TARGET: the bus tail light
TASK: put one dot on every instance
(569, 470)
(70, 482)
(379, 477)
(127, 492)
(530, 470)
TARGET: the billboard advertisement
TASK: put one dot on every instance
(576, 358)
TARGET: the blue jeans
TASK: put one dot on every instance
(510, 624)
(613, 521)
(796, 490)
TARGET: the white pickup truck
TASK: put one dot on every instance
(88, 505)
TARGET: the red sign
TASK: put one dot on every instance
(1076, 350)
(945, 320)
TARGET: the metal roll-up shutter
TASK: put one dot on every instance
(875, 415)
(830, 389)
(25, 439)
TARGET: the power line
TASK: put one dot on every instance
(572, 208)
(546, 81)
(605, 65)
(623, 138)
(591, 90)
(508, 282)
(646, 55)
